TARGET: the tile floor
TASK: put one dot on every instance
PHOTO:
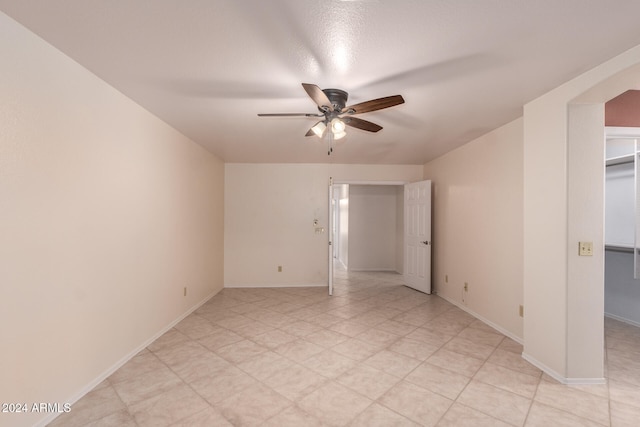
(374, 354)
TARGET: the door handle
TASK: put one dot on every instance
(426, 242)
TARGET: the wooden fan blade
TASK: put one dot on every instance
(375, 104)
(289, 115)
(361, 124)
(318, 96)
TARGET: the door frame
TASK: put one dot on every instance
(333, 181)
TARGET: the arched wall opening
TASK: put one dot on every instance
(564, 205)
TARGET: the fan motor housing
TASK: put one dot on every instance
(337, 97)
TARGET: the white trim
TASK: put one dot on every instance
(544, 368)
(622, 319)
(482, 319)
(291, 285)
(621, 132)
(339, 182)
(528, 358)
(561, 379)
(86, 389)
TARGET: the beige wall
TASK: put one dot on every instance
(269, 214)
(477, 226)
(563, 175)
(106, 213)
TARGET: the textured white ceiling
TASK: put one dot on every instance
(207, 67)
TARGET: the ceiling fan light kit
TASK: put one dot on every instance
(332, 106)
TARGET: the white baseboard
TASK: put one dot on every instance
(561, 378)
(482, 319)
(290, 285)
(86, 389)
(622, 319)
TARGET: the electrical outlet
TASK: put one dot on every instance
(446, 278)
(521, 310)
(279, 269)
(466, 287)
(585, 248)
(185, 291)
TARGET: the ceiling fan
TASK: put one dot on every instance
(331, 104)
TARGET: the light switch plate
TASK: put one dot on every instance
(585, 248)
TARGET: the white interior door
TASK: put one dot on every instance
(417, 236)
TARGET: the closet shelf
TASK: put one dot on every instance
(620, 160)
(619, 248)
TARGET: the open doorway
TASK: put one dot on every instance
(368, 228)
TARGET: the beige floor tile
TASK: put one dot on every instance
(514, 361)
(265, 365)
(300, 328)
(624, 392)
(624, 415)
(295, 381)
(506, 406)
(478, 336)
(117, 419)
(445, 326)
(205, 365)
(93, 406)
(334, 404)
(325, 320)
(469, 348)
(375, 337)
(196, 327)
(208, 417)
(349, 328)
(368, 381)
(274, 338)
(507, 379)
(329, 364)
(378, 337)
(220, 338)
(508, 344)
(149, 384)
(292, 417)
(456, 362)
(251, 330)
(326, 338)
(479, 324)
(240, 351)
(430, 336)
(463, 416)
(222, 385)
(234, 321)
(272, 318)
(413, 348)
(176, 355)
(356, 349)
(138, 365)
(299, 350)
(545, 416)
(577, 402)
(395, 327)
(169, 338)
(167, 408)
(379, 416)
(438, 380)
(372, 317)
(392, 363)
(416, 403)
(253, 405)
